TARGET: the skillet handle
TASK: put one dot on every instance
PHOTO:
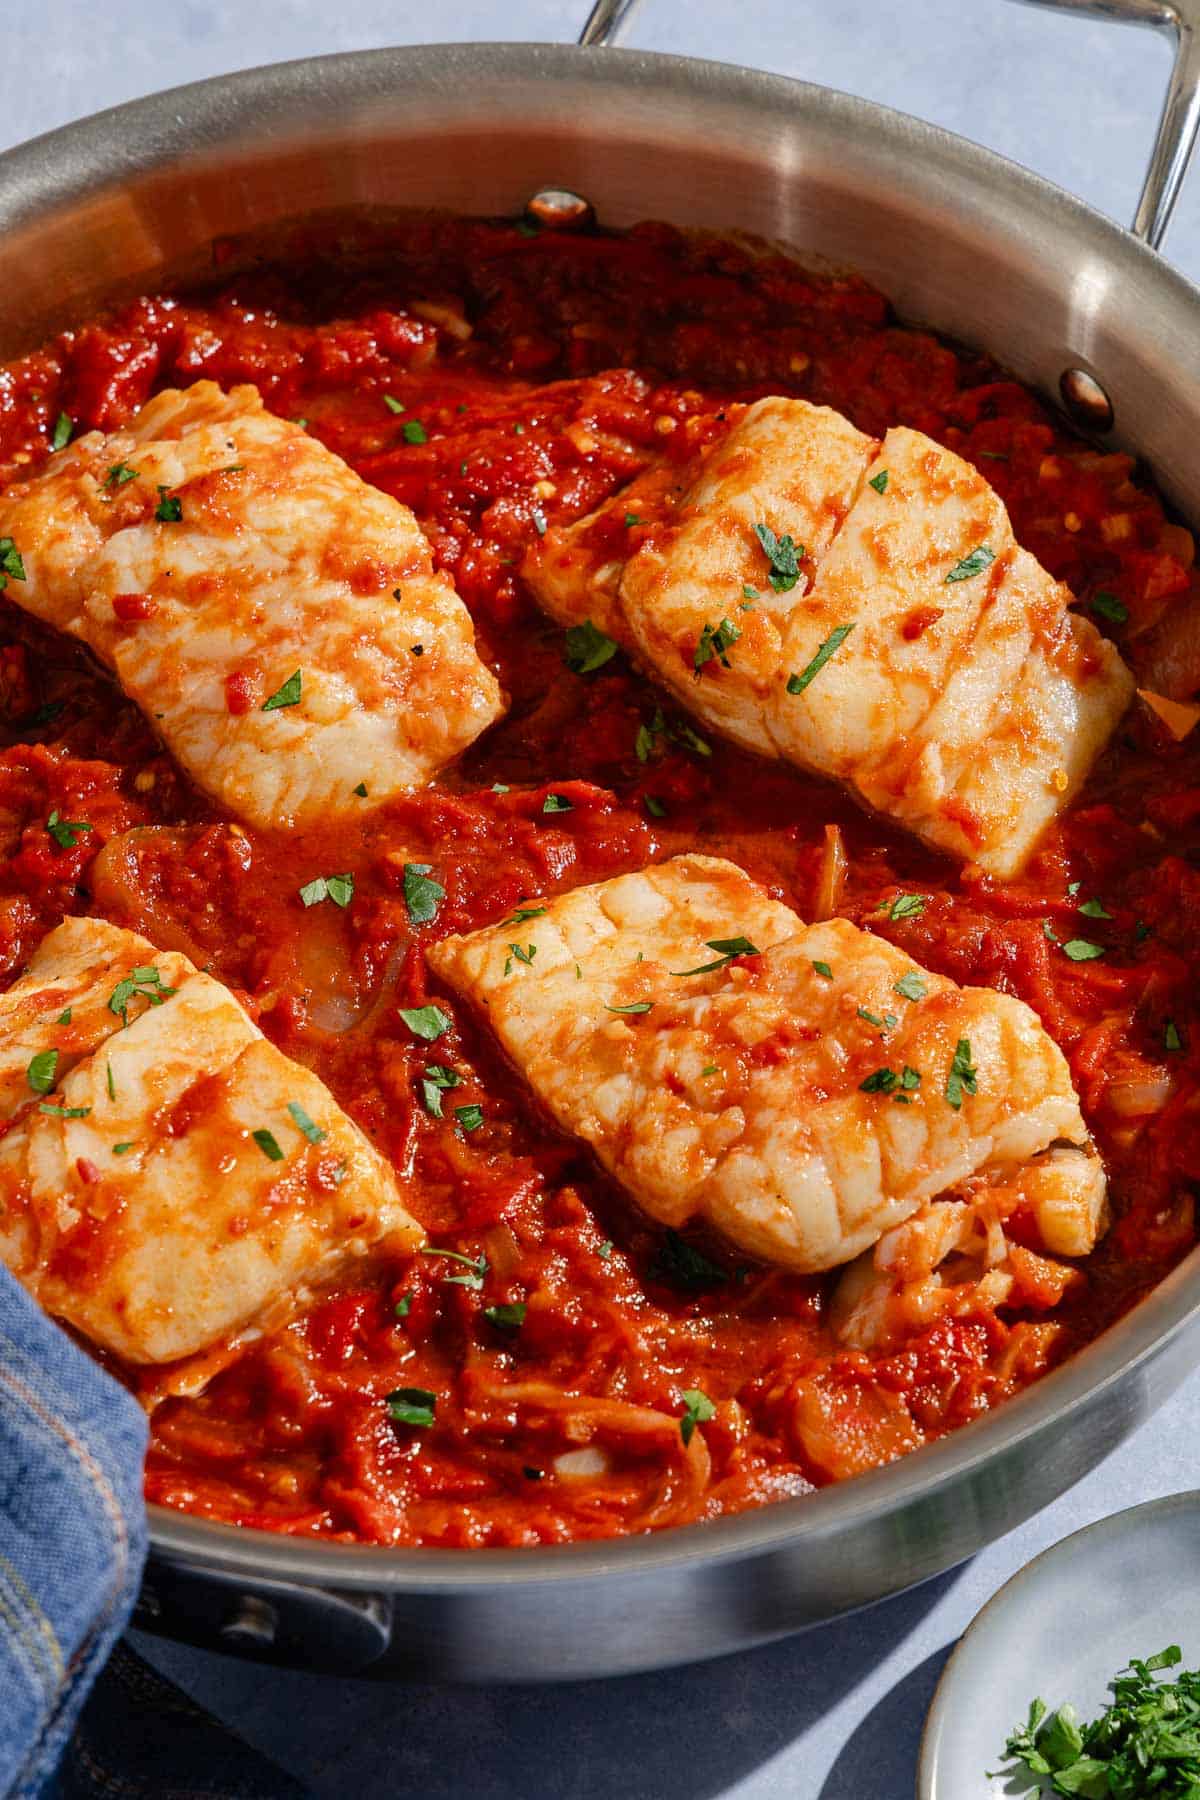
(607, 22)
(1177, 128)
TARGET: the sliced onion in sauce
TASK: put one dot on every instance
(831, 877)
(580, 1464)
(123, 893)
(1133, 1099)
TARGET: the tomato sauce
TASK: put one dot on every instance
(497, 379)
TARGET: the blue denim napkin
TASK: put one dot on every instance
(72, 1547)
(72, 1533)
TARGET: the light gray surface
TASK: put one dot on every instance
(836, 1715)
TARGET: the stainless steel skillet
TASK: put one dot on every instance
(959, 239)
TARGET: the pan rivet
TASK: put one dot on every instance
(1085, 400)
(558, 209)
(251, 1624)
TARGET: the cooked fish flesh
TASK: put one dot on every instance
(801, 1089)
(862, 610)
(278, 620)
(169, 1178)
(956, 1256)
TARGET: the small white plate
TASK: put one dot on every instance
(1062, 1627)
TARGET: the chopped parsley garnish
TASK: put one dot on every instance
(338, 888)
(1171, 1038)
(632, 519)
(539, 521)
(312, 1131)
(1095, 909)
(823, 969)
(469, 1117)
(886, 1081)
(41, 1070)
(1080, 950)
(65, 832)
(64, 428)
(796, 684)
(118, 475)
(477, 1266)
(973, 564)
(411, 1406)
(403, 1306)
(587, 648)
(783, 556)
(879, 482)
(507, 1318)
(524, 913)
(393, 405)
(169, 510)
(143, 983)
(962, 1077)
(1049, 932)
(749, 592)
(124, 1149)
(709, 1069)
(438, 1079)
(715, 641)
(885, 1023)
(1109, 607)
(361, 790)
(426, 1022)
(268, 1143)
(683, 1266)
(1145, 1742)
(524, 953)
(906, 906)
(556, 803)
(109, 1081)
(691, 740)
(635, 1006)
(648, 735)
(644, 742)
(422, 895)
(64, 1017)
(700, 1410)
(414, 432)
(654, 807)
(287, 695)
(606, 1249)
(911, 986)
(10, 562)
(65, 1112)
(728, 947)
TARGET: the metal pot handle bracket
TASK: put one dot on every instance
(1180, 121)
(1083, 395)
(1178, 126)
